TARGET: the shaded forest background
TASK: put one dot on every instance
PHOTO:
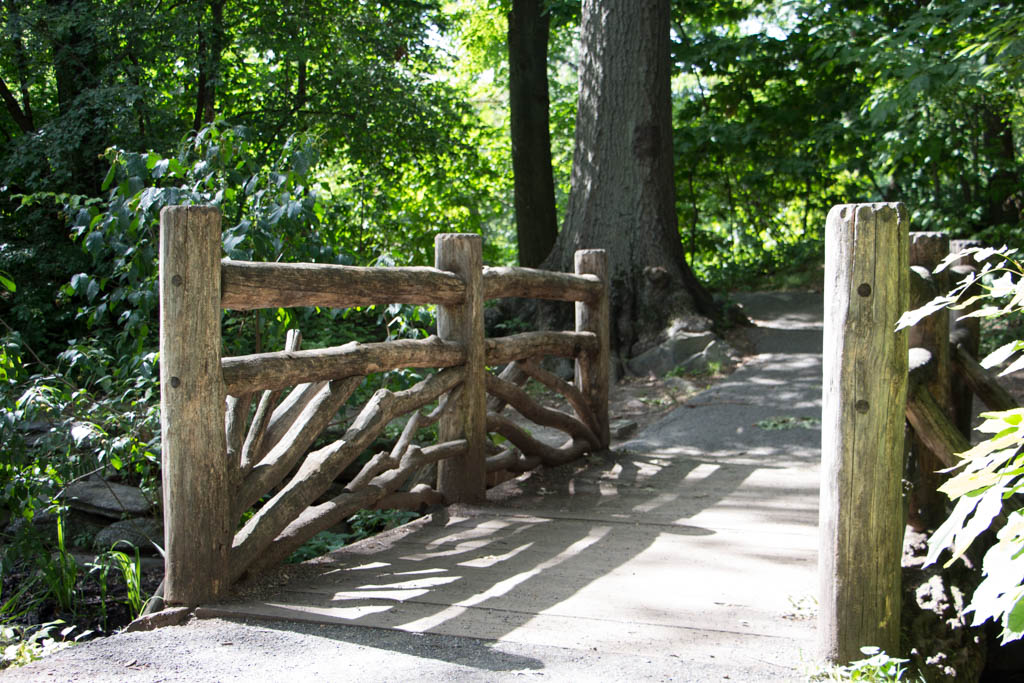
(350, 131)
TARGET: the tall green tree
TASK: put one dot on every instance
(396, 144)
(786, 108)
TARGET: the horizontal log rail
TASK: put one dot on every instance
(264, 438)
(281, 369)
(531, 283)
(247, 285)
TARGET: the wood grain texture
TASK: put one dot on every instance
(863, 404)
(502, 350)
(250, 285)
(980, 381)
(593, 367)
(926, 505)
(463, 479)
(321, 467)
(532, 283)
(280, 369)
(196, 475)
(542, 415)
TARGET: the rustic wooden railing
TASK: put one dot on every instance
(879, 387)
(230, 441)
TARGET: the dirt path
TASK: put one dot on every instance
(688, 555)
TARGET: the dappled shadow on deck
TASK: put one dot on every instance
(698, 537)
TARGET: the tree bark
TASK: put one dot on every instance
(1004, 201)
(210, 47)
(623, 196)
(534, 186)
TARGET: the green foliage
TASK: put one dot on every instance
(989, 475)
(784, 109)
(712, 368)
(90, 411)
(364, 524)
(321, 544)
(130, 569)
(22, 646)
(60, 573)
(877, 666)
(788, 422)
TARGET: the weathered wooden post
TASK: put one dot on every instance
(197, 524)
(463, 480)
(927, 506)
(863, 399)
(592, 370)
(964, 333)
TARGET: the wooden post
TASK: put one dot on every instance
(863, 403)
(592, 370)
(967, 333)
(197, 525)
(463, 479)
(927, 506)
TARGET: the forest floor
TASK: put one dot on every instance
(686, 553)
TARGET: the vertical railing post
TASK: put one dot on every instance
(863, 403)
(965, 331)
(927, 249)
(463, 480)
(197, 527)
(592, 370)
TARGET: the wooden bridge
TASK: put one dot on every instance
(693, 545)
(696, 541)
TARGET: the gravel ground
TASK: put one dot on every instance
(219, 650)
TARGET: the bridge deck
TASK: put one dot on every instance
(696, 541)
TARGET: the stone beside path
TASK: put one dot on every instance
(689, 555)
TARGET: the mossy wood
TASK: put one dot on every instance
(871, 379)
(864, 394)
(197, 524)
(231, 440)
(927, 505)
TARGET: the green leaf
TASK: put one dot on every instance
(1014, 627)
(109, 179)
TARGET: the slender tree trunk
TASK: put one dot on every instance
(76, 67)
(210, 45)
(536, 223)
(1004, 200)
(623, 195)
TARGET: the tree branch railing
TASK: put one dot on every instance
(239, 432)
(876, 383)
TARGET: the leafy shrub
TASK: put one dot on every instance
(364, 524)
(990, 475)
(876, 666)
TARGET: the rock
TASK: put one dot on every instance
(620, 429)
(43, 525)
(941, 643)
(563, 367)
(669, 354)
(717, 354)
(108, 499)
(144, 533)
(681, 385)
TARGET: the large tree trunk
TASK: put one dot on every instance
(623, 197)
(536, 223)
